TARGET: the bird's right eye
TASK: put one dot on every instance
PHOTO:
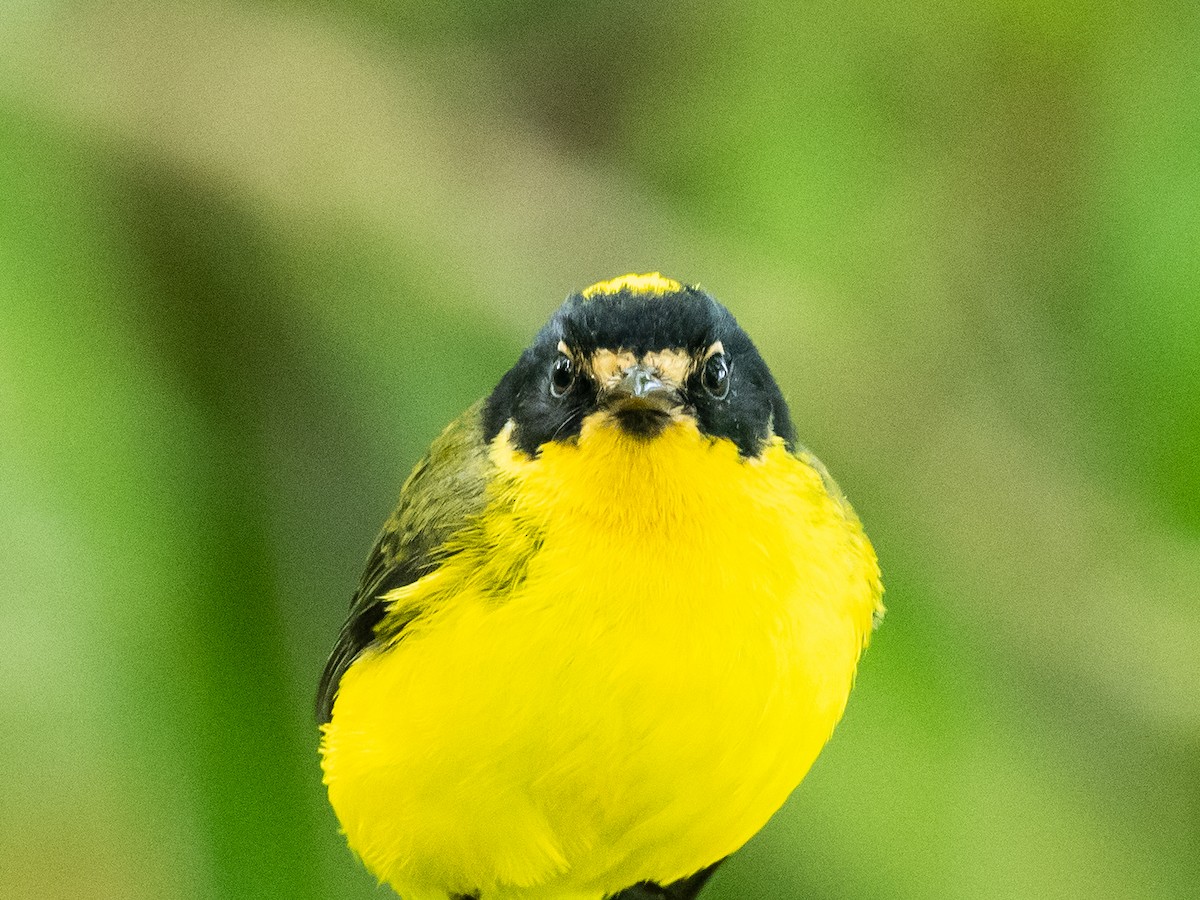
(562, 375)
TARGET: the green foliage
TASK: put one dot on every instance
(254, 256)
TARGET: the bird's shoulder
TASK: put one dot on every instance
(444, 491)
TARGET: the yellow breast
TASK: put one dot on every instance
(631, 661)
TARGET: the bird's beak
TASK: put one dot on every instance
(641, 403)
(641, 388)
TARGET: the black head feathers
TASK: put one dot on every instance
(639, 315)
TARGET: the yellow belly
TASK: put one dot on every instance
(679, 646)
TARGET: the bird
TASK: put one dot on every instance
(613, 619)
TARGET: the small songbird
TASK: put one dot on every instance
(612, 621)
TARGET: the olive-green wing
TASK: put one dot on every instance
(445, 490)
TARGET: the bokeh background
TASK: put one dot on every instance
(254, 255)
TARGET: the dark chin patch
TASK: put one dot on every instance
(642, 422)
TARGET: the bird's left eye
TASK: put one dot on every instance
(562, 375)
(715, 377)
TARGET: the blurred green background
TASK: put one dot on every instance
(254, 255)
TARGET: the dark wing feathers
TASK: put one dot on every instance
(367, 610)
(684, 889)
(444, 491)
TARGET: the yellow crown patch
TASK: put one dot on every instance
(653, 284)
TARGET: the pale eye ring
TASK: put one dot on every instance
(562, 375)
(715, 376)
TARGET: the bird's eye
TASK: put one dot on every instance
(715, 377)
(562, 375)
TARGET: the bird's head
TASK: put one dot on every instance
(640, 354)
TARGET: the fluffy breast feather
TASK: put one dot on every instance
(625, 668)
